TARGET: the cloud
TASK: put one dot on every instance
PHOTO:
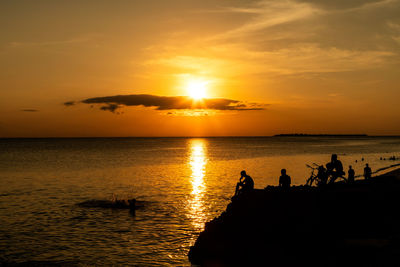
(302, 58)
(375, 4)
(349, 5)
(288, 37)
(76, 40)
(395, 28)
(112, 103)
(110, 107)
(69, 103)
(269, 14)
(29, 110)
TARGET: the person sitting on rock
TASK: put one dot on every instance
(350, 177)
(245, 184)
(334, 168)
(284, 180)
(367, 172)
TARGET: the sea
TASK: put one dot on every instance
(181, 183)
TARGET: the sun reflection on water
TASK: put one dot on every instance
(197, 163)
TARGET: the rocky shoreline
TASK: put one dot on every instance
(339, 225)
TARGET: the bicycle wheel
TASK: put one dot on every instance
(310, 181)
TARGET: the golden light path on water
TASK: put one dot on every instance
(197, 163)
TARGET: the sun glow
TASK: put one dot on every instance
(197, 89)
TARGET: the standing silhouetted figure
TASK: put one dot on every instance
(284, 180)
(245, 184)
(334, 168)
(351, 173)
(367, 172)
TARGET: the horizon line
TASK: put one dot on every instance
(209, 136)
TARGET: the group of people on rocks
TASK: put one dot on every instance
(334, 170)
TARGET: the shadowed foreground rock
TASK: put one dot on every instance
(340, 225)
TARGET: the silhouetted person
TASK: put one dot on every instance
(351, 173)
(245, 184)
(334, 168)
(367, 172)
(284, 180)
(132, 206)
(322, 176)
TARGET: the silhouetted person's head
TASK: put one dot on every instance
(283, 171)
(321, 168)
(243, 173)
(366, 164)
(349, 166)
(334, 157)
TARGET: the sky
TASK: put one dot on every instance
(199, 68)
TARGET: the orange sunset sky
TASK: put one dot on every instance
(199, 68)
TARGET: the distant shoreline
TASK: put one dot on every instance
(324, 135)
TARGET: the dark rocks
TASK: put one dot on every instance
(341, 224)
(110, 204)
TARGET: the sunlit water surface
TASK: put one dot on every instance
(183, 182)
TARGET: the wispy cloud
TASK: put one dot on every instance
(373, 5)
(303, 58)
(267, 14)
(396, 31)
(287, 38)
(112, 103)
(29, 110)
(76, 40)
(312, 58)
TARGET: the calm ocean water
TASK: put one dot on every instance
(183, 182)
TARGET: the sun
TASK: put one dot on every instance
(197, 89)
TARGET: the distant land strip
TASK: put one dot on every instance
(327, 135)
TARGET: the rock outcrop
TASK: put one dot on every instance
(340, 225)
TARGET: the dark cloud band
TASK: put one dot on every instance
(112, 103)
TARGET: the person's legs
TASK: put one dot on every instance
(237, 189)
(334, 176)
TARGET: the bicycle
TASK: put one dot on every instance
(313, 177)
